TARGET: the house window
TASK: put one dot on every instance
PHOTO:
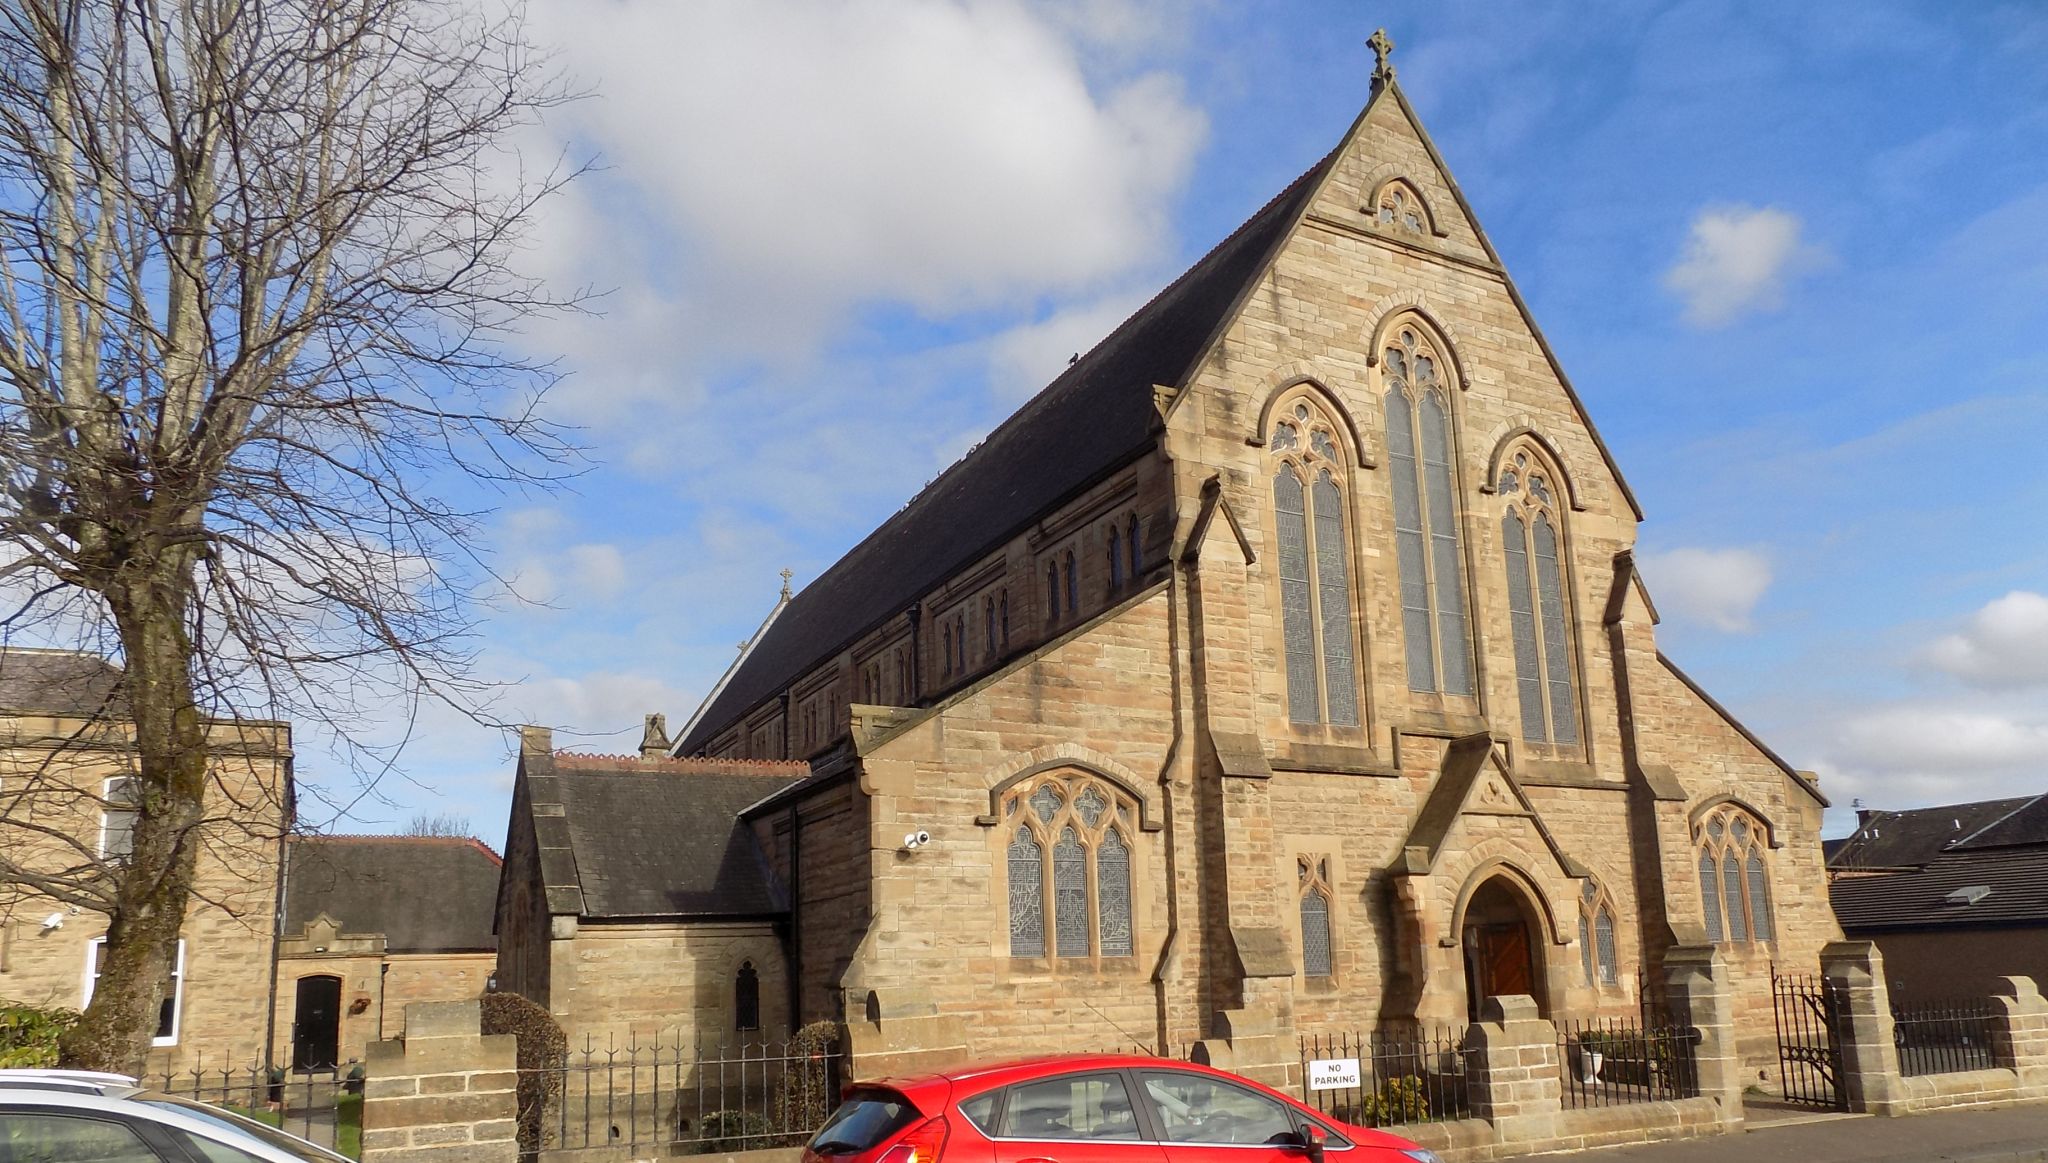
(1598, 952)
(746, 998)
(1313, 875)
(1532, 545)
(1069, 862)
(167, 1014)
(1433, 620)
(1735, 888)
(1315, 571)
(123, 796)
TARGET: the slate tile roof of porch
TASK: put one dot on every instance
(426, 894)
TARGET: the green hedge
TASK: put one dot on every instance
(28, 1034)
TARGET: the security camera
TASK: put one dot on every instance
(54, 921)
(912, 841)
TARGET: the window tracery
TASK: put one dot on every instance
(1401, 207)
(1069, 863)
(1434, 623)
(1735, 888)
(1314, 568)
(1312, 874)
(1533, 545)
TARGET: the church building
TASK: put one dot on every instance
(1281, 668)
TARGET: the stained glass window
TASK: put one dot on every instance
(1070, 894)
(1027, 896)
(1603, 935)
(1522, 616)
(1315, 935)
(1741, 908)
(1296, 617)
(988, 617)
(1131, 540)
(1116, 561)
(1113, 890)
(1073, 584)
(1426, 548)
(1586, 947)
(1533, 550)
(1564, 715)
(1710, 895)
(1075, 825)
(1315, 576)
(1052, 591)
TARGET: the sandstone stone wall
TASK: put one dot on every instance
(222, 1018)
(628, 983)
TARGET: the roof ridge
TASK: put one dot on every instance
(1957, 843)
(680, 763)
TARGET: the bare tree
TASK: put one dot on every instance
(255, 279)
(440, 824)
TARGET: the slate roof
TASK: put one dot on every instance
(59, 682)
(1899, 869)
(1096, 416)
(426, 894)
(1913, 838)
(663, 837)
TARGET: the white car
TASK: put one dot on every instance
(75, 1117)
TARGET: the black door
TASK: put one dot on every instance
(316, 1025)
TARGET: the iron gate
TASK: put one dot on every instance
(1809, 1018)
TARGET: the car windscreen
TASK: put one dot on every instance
(233, 1124)
(863, 1122)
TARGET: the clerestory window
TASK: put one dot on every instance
(1735, 884)
(1314, 567)
(1433, 618)
(1069, 866)
(1533, 546)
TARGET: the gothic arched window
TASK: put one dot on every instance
(1131, 544)
(746, 998)
(1116, 559)
(1003, 617)
(1315, 569)
(988, 626)
(1073, 584)
(1313, 876)
(1052, 591)
(1069, 862)
(1735, 886)
(946, 650)
(1598, 952)
(1433, 619)
(1532, 541)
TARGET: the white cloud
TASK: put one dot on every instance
(1906, 754)
(2004, 644)
(1737, 260)
(1716, 587)
(805, 159)
(1026, 358)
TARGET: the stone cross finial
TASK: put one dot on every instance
(787, 573)
(1382, 47)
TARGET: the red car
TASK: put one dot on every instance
(1095, 1108)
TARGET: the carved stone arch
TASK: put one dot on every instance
(1281, 382)
(1523, 431)
(1039, 760)
(1391, 309)
(1525, 882)
(1705, 808)
(1375, 184)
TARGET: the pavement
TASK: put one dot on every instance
(2017, 1134)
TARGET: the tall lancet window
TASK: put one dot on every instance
(1533, 546)
(1433, 618)
(1315, 569)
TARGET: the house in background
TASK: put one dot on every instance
(1955, 897)
(372, 924)
(68, 785)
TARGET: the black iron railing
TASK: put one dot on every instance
(321, 1106)
(688, 1098)
(1944, 1037)
(1397, 1074)
(1609, 1061)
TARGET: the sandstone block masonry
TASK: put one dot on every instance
(445, 1093)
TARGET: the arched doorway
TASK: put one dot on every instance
(1500, 946)
(316, 1023)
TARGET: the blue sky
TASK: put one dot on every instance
(1794, 257)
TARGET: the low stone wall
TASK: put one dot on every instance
(1477, 1140)
(446, 1093)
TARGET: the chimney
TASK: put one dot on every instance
(654, 742)
(536, 741)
